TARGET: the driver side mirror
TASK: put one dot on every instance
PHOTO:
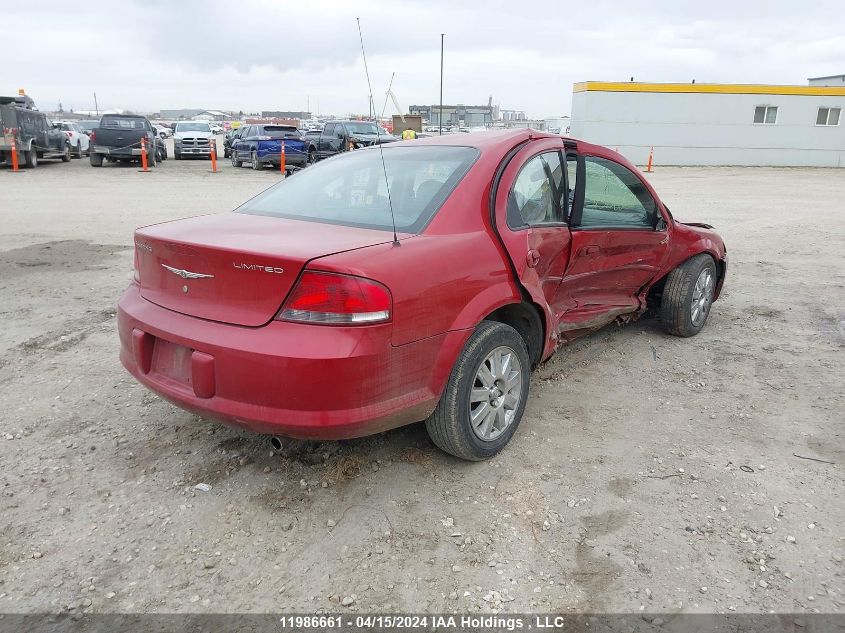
(661, 224)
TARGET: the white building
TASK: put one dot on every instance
(714, 124)
(830, 80)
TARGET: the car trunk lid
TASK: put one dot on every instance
(234, 267)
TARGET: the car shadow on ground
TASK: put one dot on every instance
(228, 450)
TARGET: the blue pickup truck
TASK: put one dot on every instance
(260, 145)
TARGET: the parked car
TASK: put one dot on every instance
(216, 128)
(118, 138)
(231, 136)
(163, 131)
(341, 136)
(34, 135)
(79, 140)
(300, 314)
(87, 125)
(260, 145)
(192, 138)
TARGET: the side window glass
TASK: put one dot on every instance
(329, 129)
(535, 196)
(615, 197)
(571, 183)
(338, 130)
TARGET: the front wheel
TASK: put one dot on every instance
(256, 164)
(235, 161)
(484, 399)
(688, 295)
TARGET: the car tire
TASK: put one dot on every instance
(483, 401)
(688, 296)
(151, 158)
(235, 161)
(66, 153)
(31, 159)
(256, 164)
(96, 160)
(312, 156)
(78, 150)
(177, 156)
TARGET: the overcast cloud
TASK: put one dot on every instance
(273, 54)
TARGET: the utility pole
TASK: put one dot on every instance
(440, 118)
(96, 107)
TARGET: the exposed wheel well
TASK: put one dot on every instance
(524, 318)
(655, 293)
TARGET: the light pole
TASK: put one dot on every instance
(440, 117)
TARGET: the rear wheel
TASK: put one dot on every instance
(312, 156)
(256, 164)
(31, 158)
(484, 399)
(688, 295)
(78, 149)
(95, 159)
(66, 153)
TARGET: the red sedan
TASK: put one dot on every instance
(364, 293)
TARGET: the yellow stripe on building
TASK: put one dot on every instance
(725, 89)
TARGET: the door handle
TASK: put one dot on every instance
(664, 240)
(588, 250)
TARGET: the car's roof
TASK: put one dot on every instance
(483, 141)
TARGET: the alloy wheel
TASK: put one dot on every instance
(702, 297)
(496, 394)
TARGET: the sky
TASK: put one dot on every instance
(256, 55)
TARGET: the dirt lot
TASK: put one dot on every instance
(650, 473)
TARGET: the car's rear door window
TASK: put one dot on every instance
(537, 194)
(351, 189)
(615, 197)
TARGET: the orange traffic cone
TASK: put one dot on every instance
(15, 151)
(213, 155)
(650, 161)
(144, 154)
(282, 157)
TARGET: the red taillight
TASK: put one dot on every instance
(92, 136)
(335, 299)
(68, 134)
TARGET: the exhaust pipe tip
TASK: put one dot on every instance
(276, 442)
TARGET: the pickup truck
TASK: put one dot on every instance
(260, 145)
(34, 135)
(118, 138)
(342, 136)
(192, 138)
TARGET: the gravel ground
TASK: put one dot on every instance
(650, 473)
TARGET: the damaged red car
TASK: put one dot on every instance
(375, 290)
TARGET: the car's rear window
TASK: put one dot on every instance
(350, 189)
(124, 124)
(281, 131)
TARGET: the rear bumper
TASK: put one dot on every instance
(298, 380)
(291, 160)
(122, 152)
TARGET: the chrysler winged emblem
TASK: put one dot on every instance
(187, 274)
